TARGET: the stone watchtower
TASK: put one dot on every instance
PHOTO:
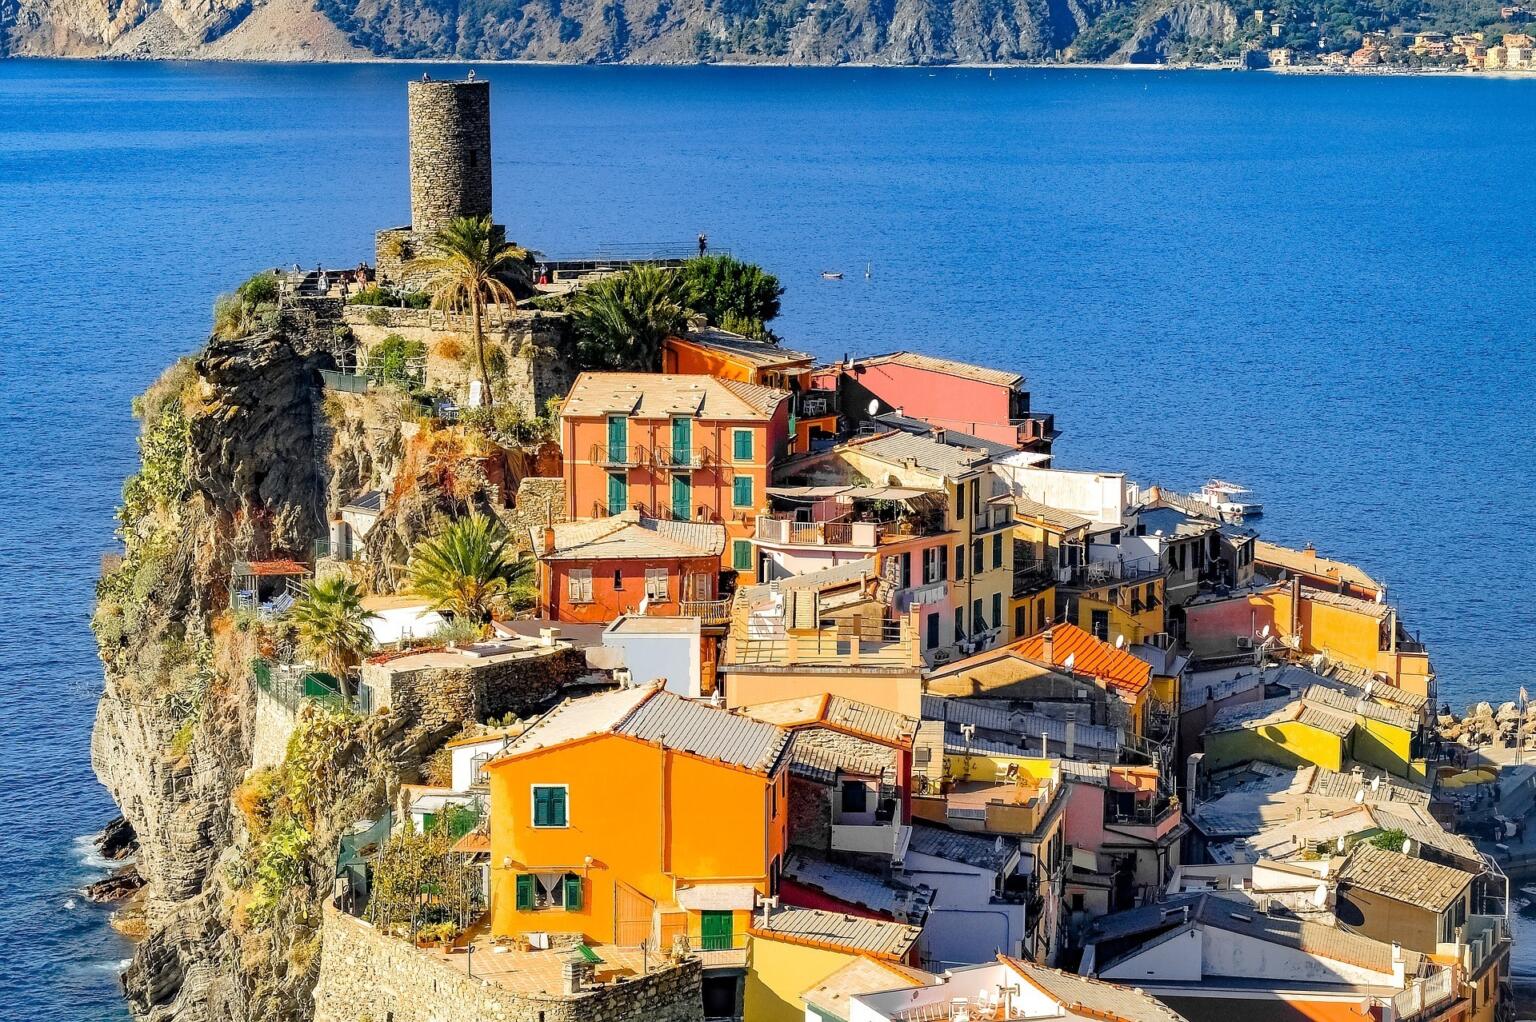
(450, 126)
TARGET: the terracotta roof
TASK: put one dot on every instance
(661, 395)
(947, 366)
(1092, 998)
(1370, 608)
(1307, 562)
(1403, 878)
(628, 536)
(1090, 656)
(841, 713)
(269, 568)
(830, 996)
(473, 843)
(818, 928)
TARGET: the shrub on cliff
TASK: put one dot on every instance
(333, 625)
(252, 306)
(397, 360)
(378, 296)
(722, 287)
(621, 320)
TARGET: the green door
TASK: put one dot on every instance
(715, 928)
(618, 438)
(682, 498)
(618, 494)
(682, 441)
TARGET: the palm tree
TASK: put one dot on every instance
(333, 625)
(468, 568)
(465, 264)
(623, 319)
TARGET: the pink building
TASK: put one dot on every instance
(987, 403)
(1124, 833)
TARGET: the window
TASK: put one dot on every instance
(656, 584)
(906, 570)
(549, 805)
(741, 491)
(1114, 538)
(978, 557)
(1020, 620)
(618, 493)
(975, 496)
(959, 623)
(978, 623)
(618, 581)
(997, 610)
(538, 892)
(682, 441)
(579, 585)
(855, 797)
(935, 564)
(997, 550)
(932, 623)
(1101, 625)
(959, 562)
(741, 554)
(618, 438)
(741, 444)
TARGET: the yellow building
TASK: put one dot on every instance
(1042, 538)
(795, 948)
(1322, 727)
(638, 816)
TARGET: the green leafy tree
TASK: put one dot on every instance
(723, 288)
(1391, 839)
(622, 320)
(468, 569)
(333, 625)
(467, 266)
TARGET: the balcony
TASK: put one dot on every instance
(1015, 808)
(887, 839)
(720, 952)
(1098, 573)
(1035, 429)
(1031, 577)
(995, 517)
(904, 600)
(1149, 820)
(785, 532)
(618, 456)
(816, 404)
(710, 612)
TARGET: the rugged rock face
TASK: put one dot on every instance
(584, 31)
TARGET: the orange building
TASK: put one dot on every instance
(1069, 648)
(636, 815)
(595, 571)
(727, 356)
(683, 448)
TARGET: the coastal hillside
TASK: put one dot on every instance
(897, 32)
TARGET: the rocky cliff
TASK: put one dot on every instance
(633, 31)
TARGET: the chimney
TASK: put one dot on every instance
(1192, 784)
(1399, 967)
(1071, 737)
(938, 435)
(549, 636)
(549, 540)
(572, 973)
(1309, 550)
(1045, 745)
(1047, 647)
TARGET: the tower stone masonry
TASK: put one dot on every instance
(450, 125)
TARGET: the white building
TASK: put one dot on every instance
(973, 916)
(664, 649)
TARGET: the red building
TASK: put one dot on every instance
(594, 571)
(987, 403)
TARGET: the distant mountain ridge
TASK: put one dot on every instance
(691, 31)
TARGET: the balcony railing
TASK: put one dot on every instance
(710, 612)
(1096, 573)
(683, 457)
(1424, 995)
(904, 600)
(1149, 814)
(865, 535)
(618, 456)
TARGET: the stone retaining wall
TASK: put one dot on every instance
(365, 975)
(438, 698)
(271, 728)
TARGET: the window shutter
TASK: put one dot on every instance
(556, 807)
(943, 563)
(743, 445)
(541, 807)
(741, 554)
(525, 892)
(743, 494)
(586, 586)
(572, 892)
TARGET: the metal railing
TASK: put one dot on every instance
(618, 455)
(345, 383)
(710, 612)
(293, 684)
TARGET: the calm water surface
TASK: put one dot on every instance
(1321, 287)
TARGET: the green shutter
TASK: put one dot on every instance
(548, 806)
(742, 495)
(525, 892)
(618, 494)
(682, 441)
(742, 439)
(741, 554)
(682, 498)
(618, 436)
(556, 807)
(715, 929)
(572, 892)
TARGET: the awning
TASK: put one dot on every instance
(715, 897)
(848, 492)
(1085, 860)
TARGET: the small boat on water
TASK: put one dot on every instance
(831, 274)
(1225, 497)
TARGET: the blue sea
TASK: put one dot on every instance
(1321, 287)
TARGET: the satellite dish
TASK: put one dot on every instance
(1359, 798)
(1320, 896)
(1265, 633)
(1069, 661)
(874, 407)
(1407, 845)
(1120, 642)
(1376, 783)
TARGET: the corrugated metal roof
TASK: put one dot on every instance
(628, 536)
(989, 853)
(822, 764)
(1103, 1000)
(662, 395)
(856, 887)
(830, 996)
(708, 731)
(834, 929)
(1403, 878)
(1306, 563)
(947, 366)
(578, 718)
(1361, 704)
(759, 353)
(1023, 507)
